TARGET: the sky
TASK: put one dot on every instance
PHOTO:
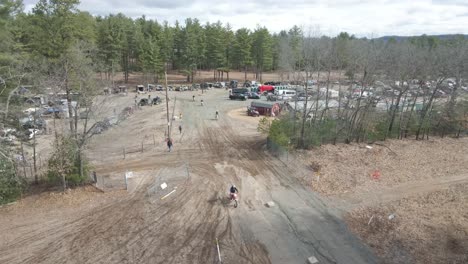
(363, 18)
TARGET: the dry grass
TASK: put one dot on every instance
(422, 183)
(349, 168)
(429, 228)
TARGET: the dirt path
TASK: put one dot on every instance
(348, 201)
(147, 226)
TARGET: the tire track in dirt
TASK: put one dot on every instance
(354, 200)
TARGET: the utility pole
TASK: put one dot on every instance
(167, 108)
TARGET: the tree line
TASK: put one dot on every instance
(142, 45)
(412, 88)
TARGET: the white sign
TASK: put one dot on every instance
(129, 174)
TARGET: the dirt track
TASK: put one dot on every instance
(182, 228)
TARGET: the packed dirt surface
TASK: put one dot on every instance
(241, 115)
(182, 222)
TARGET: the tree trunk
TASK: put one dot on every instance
(426, 109)
(36, 180)
(326, 97)
(126, 66)
(76, 121)
(401, 117)
(338, 116)
(410, 116)
(23, 159)
(8, 101)
(69, 101)
(317, 99)
(245, 73)
(394, 110)
(80, 163)
(304, 118)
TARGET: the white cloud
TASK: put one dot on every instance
(360, 17)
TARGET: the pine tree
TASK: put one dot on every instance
(242, 50)
(262, 53)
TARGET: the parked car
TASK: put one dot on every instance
(31, 132)
(159, 88)
(38, 123)
(272, 97)
(252, 111)
(302, 97)
(195, 86)
(207, 85)
(233, 84)
(140, 89)
(253, 95)
(143, 102)
(238, 96)
(156, 100)
(219, 85)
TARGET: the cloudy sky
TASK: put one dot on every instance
(370, 18)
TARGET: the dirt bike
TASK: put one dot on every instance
(233, 197)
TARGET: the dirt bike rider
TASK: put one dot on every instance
(217, 114)
(201, 102)
(233, 191)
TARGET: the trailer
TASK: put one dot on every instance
(266, 108)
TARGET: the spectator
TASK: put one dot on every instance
(169, 144)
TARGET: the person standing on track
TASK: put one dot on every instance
(169, 144)
(193, 98)
(180, 129)
(216, 115)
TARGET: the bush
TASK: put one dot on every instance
(11, 186)
(65, 163)
(280, 132)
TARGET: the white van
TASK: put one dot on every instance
(285, 94)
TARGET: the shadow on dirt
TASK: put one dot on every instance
(223, 200)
